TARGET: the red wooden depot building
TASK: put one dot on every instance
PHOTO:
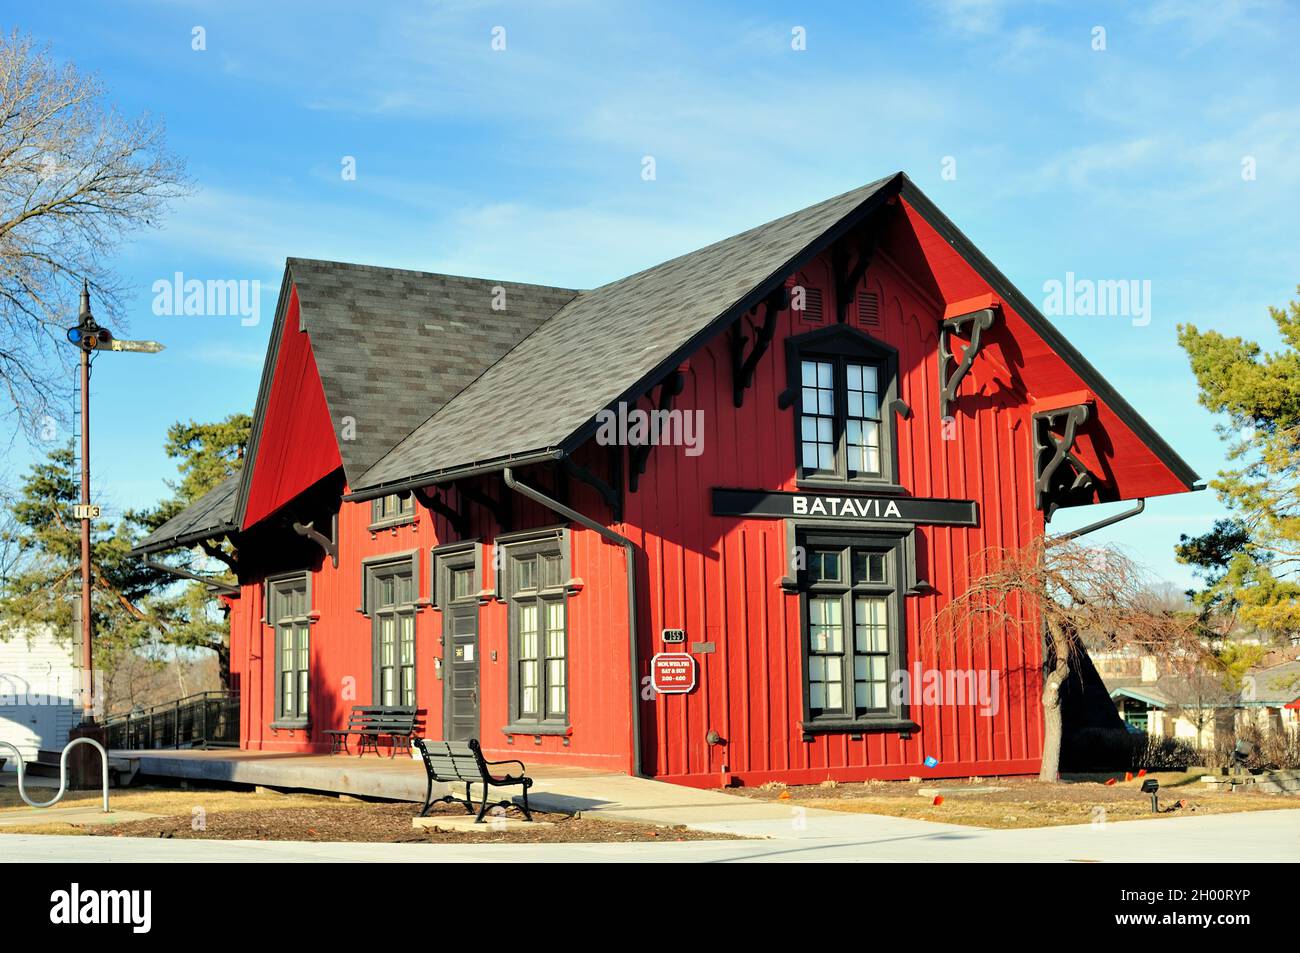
(773, 458)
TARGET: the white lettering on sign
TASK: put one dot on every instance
(672, 673)
(845, 506)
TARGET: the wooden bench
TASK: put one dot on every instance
(460, 762)
(371, 723)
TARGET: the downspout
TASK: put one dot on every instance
(1102, 524)
(629, 550)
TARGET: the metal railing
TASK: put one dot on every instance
(63, 771)
(203, 720)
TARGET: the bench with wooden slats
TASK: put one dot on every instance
(460, 762)
(373, 723)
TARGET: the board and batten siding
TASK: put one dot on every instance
(718, 577)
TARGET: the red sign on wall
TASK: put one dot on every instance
(672, 673)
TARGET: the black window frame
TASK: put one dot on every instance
(842, 345)
(279, 618)
(898, 551)
(374, 571)
(546, 720)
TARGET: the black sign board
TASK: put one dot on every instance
(849, 508)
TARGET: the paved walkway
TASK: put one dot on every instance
(1253, 837)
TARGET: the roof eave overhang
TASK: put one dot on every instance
(434, 477)
(184, 540)
(1044, 328)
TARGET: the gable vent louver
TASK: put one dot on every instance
(869, 308)
(812, 304)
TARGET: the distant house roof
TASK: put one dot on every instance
(212, 514)
(1278, 685)
(1275, 686)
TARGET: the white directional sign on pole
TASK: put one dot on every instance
(146, 347)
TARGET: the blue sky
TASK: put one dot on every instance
(1117, 163)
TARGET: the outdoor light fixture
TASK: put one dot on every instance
(1151, 786)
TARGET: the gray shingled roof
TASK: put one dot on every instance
(394, 346)
(210, 515)
(1279, 684)
(584, 358)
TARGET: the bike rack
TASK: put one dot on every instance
(63, 771)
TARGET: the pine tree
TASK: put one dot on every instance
(1250, 563)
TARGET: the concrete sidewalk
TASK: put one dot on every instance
(1256, 837)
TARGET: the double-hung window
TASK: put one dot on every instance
(535, 579)
(391, 604)
(853, 628)
(289, 603)
(843, 383)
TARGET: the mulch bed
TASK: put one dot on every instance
(1026, 802)
(391, 824)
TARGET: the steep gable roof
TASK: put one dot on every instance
(394, 346)
(611, 342)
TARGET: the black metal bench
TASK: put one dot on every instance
(371, 723)
(460, 762)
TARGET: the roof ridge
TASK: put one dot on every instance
(386, 269)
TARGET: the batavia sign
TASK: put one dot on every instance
(889, 509)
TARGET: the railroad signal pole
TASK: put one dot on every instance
(89, 336)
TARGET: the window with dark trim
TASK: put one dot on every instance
(539, 673)
(391, 604)
(843, 384)
(392, 509)
(851, 599)
(289, 605)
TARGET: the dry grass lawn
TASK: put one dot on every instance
(1078, 799)
(214, 814)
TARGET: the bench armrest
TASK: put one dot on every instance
(493, 764)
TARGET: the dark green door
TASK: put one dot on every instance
(461, 656)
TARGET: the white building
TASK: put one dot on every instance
(39, 691)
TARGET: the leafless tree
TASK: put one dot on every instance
(75, 179)
(1202, 698)
(1067, 591)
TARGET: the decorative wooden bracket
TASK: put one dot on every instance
(639, 455)
(328, 544)
(742, 365)
(950, 377)
(433, 501)
(1060, 478)
(849, 272)
(607, 492)
(498, 507)
(220, 555)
